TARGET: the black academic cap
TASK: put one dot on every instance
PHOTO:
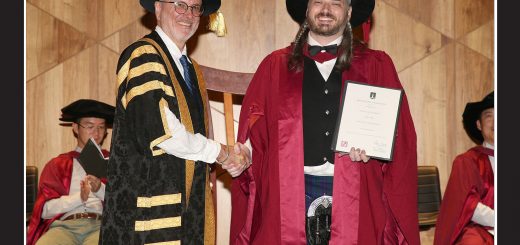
(87, 108)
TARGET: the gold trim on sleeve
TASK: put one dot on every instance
(123, 72)
(184, 112)
(166, 129)
(165, 243)
(148, 202)
(203, 93)
(144, 68)
(209, 211)
(149, 86)
(155, 224)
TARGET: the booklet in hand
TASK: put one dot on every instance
(92, 160)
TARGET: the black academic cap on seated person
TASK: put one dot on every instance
(361, 10)
(209, 6)
(472, 114)
(87, 108)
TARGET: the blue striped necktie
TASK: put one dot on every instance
(187, 73)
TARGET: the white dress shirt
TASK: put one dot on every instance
(184, 144)
(483, 214)
(72, 203)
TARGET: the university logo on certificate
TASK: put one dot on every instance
(367, 119)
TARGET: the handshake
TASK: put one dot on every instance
(234, 159)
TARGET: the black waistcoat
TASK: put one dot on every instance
(320, 103)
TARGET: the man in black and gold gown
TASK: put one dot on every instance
(158, 171)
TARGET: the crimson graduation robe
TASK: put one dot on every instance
(268, 204)
(471, 181)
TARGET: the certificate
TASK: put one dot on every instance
(367, 119)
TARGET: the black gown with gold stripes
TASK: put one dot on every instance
(151, 196)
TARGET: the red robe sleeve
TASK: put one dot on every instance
(243, 187)
(399, 177)
(54, 182)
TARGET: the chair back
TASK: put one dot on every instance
(31, 183)
(428, 195)
(228, 83)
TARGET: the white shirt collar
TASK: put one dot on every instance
(172, 47)
(488, 145)
(312, 41)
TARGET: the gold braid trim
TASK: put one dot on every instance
(184, 111)
(144, 68)
(165, 243)
(155, 224)
(123, 71)
(148, 202)
(203, 93)
(209, 218)
(141, 89)
(167, 132)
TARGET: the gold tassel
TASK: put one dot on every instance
(217, 24)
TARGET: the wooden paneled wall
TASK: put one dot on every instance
(443, 51)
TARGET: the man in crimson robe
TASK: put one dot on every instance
(467, 214)
(289, 115)
(69, 205)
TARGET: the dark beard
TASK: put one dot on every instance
(324, 30)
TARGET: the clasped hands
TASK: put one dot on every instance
(88, 184)
(234, 159)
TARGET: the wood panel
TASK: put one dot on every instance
(105, 86)
(438, 14)
(76, 78)
(116, 14)
(129, 34)
(470, 14)
(45, 137)
(481, 40)
(403, 38)
(425, 84)
(82, 15)
(249, 38)
(285, 27)
(50, 41)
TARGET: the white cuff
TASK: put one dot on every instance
(484, 215)
(186, 145)
(101, 192)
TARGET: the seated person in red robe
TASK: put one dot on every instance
(70, 203)
(467, 213)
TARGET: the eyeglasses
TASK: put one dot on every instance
(181, 8)
(90, 128)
